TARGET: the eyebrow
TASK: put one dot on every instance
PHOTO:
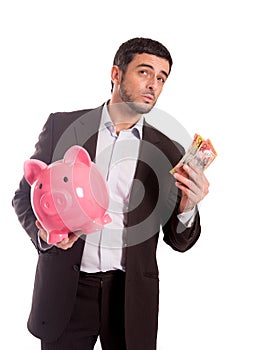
(149, 66)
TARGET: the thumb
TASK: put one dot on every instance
(38, 224)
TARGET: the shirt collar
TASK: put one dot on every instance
(106, 121)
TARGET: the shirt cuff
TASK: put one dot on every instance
(43, 246)
(187, 218)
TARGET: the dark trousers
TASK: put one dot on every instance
(98, 312)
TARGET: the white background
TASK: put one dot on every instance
(57, 56)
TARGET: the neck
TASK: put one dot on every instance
(122, 116)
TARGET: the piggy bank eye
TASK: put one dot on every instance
(65, 179)
(40, 186)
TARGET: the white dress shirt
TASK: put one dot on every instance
(116, 157)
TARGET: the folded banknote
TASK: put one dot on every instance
(200, 151)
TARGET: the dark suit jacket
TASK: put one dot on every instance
(154, 203)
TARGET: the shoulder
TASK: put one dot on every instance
(72, 115)
(62, 120)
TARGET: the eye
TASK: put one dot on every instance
(143, 72)
(162, 80)
(65, 179)
(40, 186)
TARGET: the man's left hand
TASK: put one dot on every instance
(193, 184)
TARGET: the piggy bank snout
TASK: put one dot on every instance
(53, 202)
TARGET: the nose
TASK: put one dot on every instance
(55, 202)
(152, 84)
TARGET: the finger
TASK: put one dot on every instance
(73, 237)
(63, 244)
(186, 184)
(193, 172)
(68, 242)
(190, 193)
(38, 224)
(195, 167)
(196, 174)
(186, 172)
(196, 188)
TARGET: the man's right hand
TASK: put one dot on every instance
(65, 244)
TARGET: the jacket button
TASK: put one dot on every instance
(76, 268)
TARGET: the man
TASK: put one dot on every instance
(106, 284)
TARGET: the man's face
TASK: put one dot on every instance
(143, 82)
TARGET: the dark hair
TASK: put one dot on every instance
(130, 48)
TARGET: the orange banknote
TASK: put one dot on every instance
(200, 151)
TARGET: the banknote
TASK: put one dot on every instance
(201, 152)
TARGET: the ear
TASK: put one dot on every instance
(33, 169)
(77, 154)
(116, 75)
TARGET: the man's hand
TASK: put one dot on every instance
(66, 243)
(193, 184)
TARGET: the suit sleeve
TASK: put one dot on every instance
(178, 236)
(21, 200)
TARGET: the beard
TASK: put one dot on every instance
(137, 107)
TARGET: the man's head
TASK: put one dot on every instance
(130, 48)
(140, 69)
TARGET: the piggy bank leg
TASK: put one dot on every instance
(96, 225)
(56, 236)
(106, 219)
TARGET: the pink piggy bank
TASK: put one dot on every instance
(68, 195)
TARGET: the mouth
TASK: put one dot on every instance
(148, 98)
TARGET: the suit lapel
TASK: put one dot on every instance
(140, 220)
(145, 165)
(86, 130)
(149, 139)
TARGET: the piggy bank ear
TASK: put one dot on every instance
(77, 154)
(33, 169)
